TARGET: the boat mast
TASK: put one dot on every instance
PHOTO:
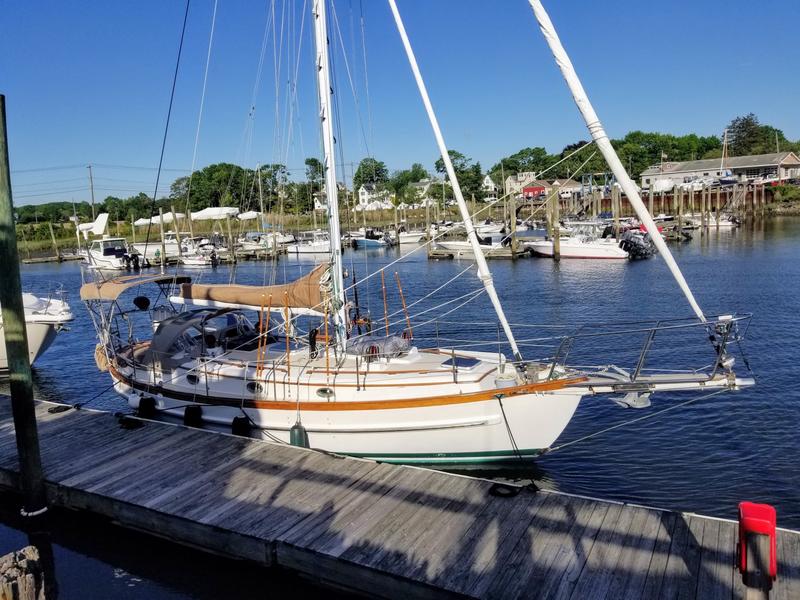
(324, 91)
(606, 149)
(483, 269)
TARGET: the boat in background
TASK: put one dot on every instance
(311, 242)
(44, 319)
(579, 246)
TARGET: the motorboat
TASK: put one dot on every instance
(311, 242)
(580, 246)
(111, 253)
(44, 319)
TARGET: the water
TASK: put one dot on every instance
(704, 457)
(84, 556)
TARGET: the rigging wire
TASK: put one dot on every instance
(637, 420)
(200, 112)
(166, 125)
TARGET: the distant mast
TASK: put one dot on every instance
(329, 163)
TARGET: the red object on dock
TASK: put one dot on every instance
(757, 519)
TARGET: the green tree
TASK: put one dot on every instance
(315, 172)
(469, 174)
(370, 170)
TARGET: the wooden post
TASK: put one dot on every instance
(427, 227)
(19, 366)
(22, 575)
(616, 200)
(177, 230)
(556, 232)
(133, 228)
(650, 199)
(719, 192)
(703, 223)
(231, 247)
(163, 245)
(56, 253)
(189, 219)
(680, 209)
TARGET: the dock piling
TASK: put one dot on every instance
(19, 367)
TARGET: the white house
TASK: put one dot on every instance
(515, 183)
(778, 165)
(368, 193)
(489, 188)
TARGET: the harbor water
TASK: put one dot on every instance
(702, 457)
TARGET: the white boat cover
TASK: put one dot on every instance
(157, 219)
(213, 213)
(249, 215)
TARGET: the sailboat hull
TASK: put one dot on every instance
(470, 432)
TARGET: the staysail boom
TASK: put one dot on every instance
(483, 269)
(604, 145)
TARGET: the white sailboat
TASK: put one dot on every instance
(237, 356)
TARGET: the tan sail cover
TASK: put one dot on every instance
(110, 290)
(304, 293)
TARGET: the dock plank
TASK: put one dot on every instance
(656, 569)
(788, 583)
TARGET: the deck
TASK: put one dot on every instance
(386, 530)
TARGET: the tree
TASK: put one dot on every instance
(460, 162)
(372, 171)
(469, 175)
(315, 171)
(417, 173)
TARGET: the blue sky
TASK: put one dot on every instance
(88, 82)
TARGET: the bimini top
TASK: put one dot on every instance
(305, 295)
(110, 290)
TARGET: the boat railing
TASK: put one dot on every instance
(557, 348)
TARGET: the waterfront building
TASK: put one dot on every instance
(760, 167)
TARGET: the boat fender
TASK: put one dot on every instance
(141, 302)
(147, 407)
(100, 357)
(298, 436)
(240, 426)
(193, 415)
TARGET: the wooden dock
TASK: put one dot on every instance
(506, 253)
(384, 530)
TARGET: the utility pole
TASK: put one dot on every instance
(19, 367)
(91, 188)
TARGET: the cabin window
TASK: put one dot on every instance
(705, 174)
(254, 387)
